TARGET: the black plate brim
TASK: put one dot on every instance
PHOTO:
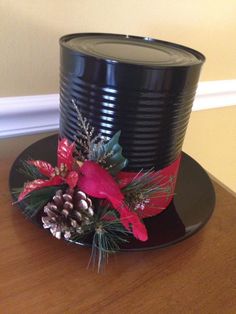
(191, 208)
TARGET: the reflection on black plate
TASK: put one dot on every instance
(191, 208)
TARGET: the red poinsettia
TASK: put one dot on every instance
(63, 173)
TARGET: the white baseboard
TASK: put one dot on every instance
(28, 115)
(215, 94)
(36, 114)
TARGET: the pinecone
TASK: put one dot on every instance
(68, 213)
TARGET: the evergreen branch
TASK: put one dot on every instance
(106, 241)
(144, 186)
(16, 191)
(95, 147)
(107, 237)
(35, 201)
(86, 137)
(30, 171)
(107, 233)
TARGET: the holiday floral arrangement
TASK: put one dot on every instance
(88, 194)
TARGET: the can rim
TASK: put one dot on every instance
(200, 58)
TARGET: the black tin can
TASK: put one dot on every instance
(141, 86)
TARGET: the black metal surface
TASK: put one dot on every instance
(141, 86)
(191, 208)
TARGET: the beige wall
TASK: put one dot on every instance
(29, 32)
(211, 140)
(29, 63)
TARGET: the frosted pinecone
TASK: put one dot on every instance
(68, 213)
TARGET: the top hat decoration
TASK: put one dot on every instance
(125, 103)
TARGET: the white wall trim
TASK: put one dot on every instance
(215, 94)
(35, 114)
(28, 115)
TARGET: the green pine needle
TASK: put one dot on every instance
(108, 234)
(108, 153)
(36, 200)
(106, 240)
(30, 171)
(147, 185)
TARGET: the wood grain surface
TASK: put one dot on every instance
(40, 274)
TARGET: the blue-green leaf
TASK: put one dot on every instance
(110, 155)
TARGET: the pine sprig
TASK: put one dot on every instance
(30, 171)
(143, 187)
(86, 137)
(107, 234)
(106, 240)
(35, 201)
(93, 146)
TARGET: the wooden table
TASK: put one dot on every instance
(39, 274)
